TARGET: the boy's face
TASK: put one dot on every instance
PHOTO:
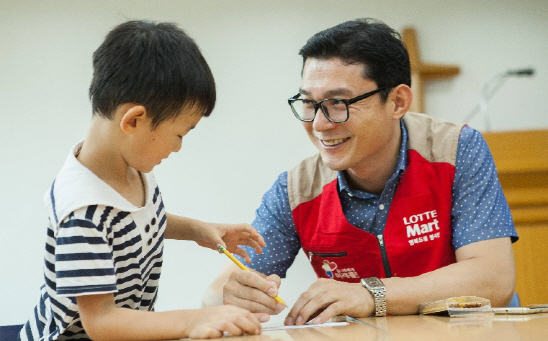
(153, 146)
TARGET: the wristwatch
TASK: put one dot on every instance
(378, 290)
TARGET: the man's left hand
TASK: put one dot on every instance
(327, 298)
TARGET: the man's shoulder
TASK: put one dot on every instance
(434, 138)
(312, 167)
(424, 124)
(306, 180)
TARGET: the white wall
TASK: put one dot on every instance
(234, 156)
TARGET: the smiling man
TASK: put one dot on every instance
(397, 208)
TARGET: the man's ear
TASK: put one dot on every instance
(134, 116)
(402, 96)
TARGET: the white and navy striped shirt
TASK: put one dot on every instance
(97, 242)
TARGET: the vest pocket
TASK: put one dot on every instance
(333, 262)
(326, 254)
(347, 263)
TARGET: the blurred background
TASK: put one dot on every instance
(234, 156)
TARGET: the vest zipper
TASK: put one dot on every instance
(384, 257)
(322, 254)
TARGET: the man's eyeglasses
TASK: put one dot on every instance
(334, 109)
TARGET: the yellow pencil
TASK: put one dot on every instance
(243, 267)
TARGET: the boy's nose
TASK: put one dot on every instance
(178, 146)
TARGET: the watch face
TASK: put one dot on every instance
(373, 282)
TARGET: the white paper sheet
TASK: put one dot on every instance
(281, 326)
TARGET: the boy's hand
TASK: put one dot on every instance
(210, 234)
(212, 322)
(230, 236)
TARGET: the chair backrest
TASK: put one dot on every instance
(9, 333)
(515, 301)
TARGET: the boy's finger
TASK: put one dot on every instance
(241, 252)
(255, 245)
(254, 235)
(249, 324)
(262, 317)
(232, 329)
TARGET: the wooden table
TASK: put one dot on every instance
(424, 328)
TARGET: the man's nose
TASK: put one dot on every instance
(321, 122)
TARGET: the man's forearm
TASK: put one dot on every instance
(214, 293)
(484, 269)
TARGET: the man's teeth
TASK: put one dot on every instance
(333, 142)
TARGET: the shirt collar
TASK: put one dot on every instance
(76, 186)
(400, 167)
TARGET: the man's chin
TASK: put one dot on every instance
(333, 164)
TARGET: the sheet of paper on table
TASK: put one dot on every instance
(279, 326)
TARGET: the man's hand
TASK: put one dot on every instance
(327, 298)
(253, 291)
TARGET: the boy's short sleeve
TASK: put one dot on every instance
(83, 257)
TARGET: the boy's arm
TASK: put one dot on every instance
(210, 234)
(102, 320)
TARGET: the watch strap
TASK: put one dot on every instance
(376, 287)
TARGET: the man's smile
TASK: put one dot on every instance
(333, 143)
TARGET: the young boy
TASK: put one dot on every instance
(107, 221)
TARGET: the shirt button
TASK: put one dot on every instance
(381, 207)
(350, 194)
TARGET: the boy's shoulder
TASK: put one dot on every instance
(75, 186)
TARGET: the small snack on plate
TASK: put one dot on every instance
(458, 306)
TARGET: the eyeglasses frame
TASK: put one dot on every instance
(318, 105)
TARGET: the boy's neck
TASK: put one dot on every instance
(100, 153)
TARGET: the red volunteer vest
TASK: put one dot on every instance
(417, 234)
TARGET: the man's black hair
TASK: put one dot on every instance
(366, 41)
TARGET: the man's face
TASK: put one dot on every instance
(364, 140)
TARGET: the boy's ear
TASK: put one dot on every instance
(133, 117)
(402, 97)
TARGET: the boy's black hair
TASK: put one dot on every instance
(156, 65)
(369, 42)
